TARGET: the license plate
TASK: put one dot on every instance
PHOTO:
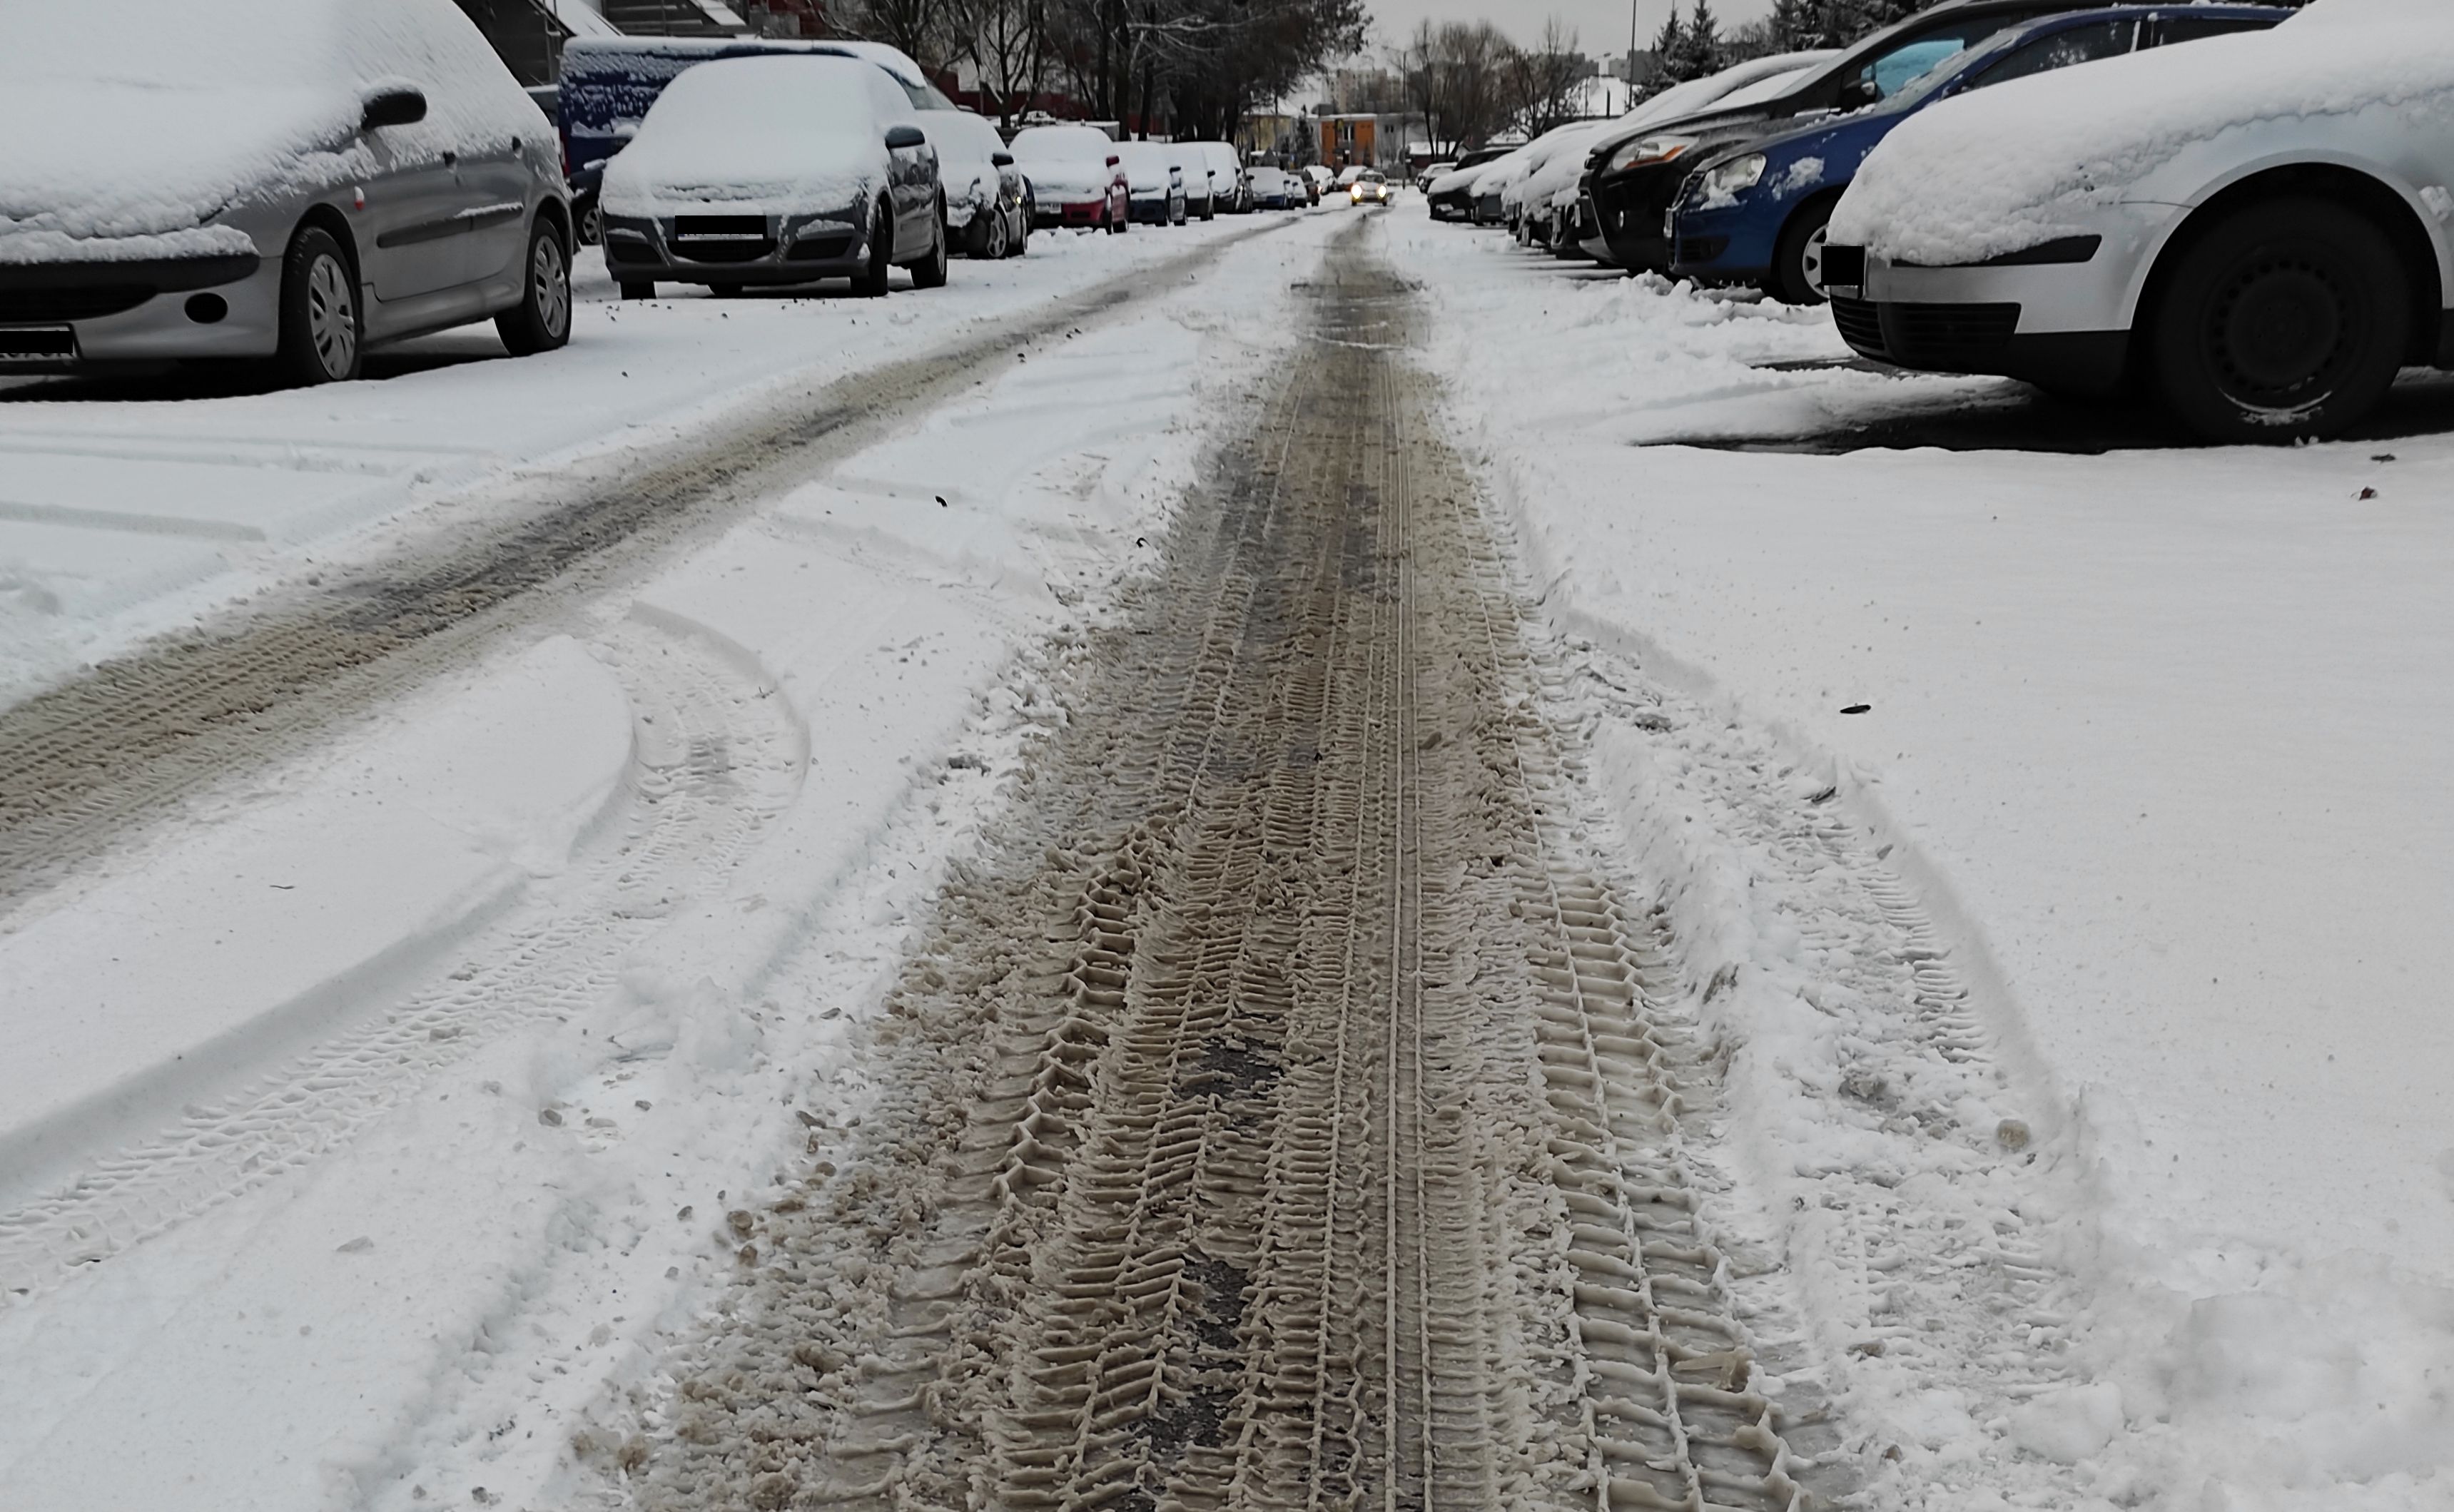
(37, 344)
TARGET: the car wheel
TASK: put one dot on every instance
(2288, 320)
(930, 271)
(638, 289)
(592, 222)
(322, 329)
(1798, 257)
(996, 242)
(873, 274)
(541, 321)
(1021, 238)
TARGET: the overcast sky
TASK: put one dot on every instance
(1601, 25)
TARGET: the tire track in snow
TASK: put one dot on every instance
(1278, 1114)
(713, 759)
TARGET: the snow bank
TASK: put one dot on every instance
(2022, 163)
(230, 944)
(132, 124)
(2167, 848)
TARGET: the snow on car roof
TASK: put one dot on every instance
(1051, 143)
(2006, 168)
(131, 123)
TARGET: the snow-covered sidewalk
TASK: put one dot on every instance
(2156, 738)
(428, 1199)
(125, 516)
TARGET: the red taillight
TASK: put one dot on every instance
(566, 153)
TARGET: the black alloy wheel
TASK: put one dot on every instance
(871, 284)
(930, 271)
(2286, 320)
(323, 330)
(541, 321)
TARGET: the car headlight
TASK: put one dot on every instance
(1649, 149)
(1737, 174)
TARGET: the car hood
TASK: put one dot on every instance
(2038, 158)
(95, 171)
(1073, 176)
(751, 173)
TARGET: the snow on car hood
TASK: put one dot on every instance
(1069, 178)
(2025, 162)
(754, 134)
(118, 173)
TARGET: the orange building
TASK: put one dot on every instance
(1349, 139)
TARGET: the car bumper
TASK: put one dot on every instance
(2064, 322)
(60, 315)
(790, 249)
(1628, 211)
(1724, 246)
(1155, 211)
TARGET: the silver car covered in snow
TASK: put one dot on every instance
(295, 179)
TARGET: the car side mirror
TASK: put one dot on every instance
(1001, 159)
(1860, 91)
(392, 105)
(900, 138)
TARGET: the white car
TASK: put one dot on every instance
(1227, 176)
(1204, 197)
(1157, 182)
(2257, 224)
(1077, 177)
(291, 180)
(987, 212)
(782, 168)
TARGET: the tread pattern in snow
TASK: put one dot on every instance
(1278, 1117)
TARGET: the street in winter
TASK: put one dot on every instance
(1426, 754)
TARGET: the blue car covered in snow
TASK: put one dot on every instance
(1755, 213)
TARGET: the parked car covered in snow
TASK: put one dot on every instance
(1158, 180)
(1227, 172)
(291, 180)
(1633, 176)
(2255, 225)
(1077, 177)
(1204, 197)
(1756, 213)
(987, 200)
(608, 84)
(1451, 194)
(776, 170)
(1276, 189)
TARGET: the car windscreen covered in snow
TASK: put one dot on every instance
(126, 128)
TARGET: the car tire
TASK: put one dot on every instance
(638, 289)
(589, 220)
(1021, 244)
(996, 241)
(872, 282)
(541, 321)
(930, 271)
(323, 328)
(1798, 257)
(2286, 320)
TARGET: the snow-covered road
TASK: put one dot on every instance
(2006, 854)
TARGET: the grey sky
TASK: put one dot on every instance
(1601, 25)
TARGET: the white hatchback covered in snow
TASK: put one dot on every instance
(784, 169)
(249, 178)
(2257, 224)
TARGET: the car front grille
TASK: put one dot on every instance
(25, 307)
(722, 238)
(623, 250)
(1949, 336)
(1703, 249)
(41, 347)
(1860, 324)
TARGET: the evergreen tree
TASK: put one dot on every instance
(1701, 44)
(1794, 26)
(1669, 53)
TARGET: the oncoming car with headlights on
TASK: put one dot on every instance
(1369, 188)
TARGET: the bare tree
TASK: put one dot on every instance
(1543, 83)
(1452, 75)
(1006, 41)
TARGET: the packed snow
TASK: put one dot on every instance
(2024, 162)
(2131, 755)
(535, 924)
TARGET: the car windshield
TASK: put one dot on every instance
(1063, 144)
(806, 96)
